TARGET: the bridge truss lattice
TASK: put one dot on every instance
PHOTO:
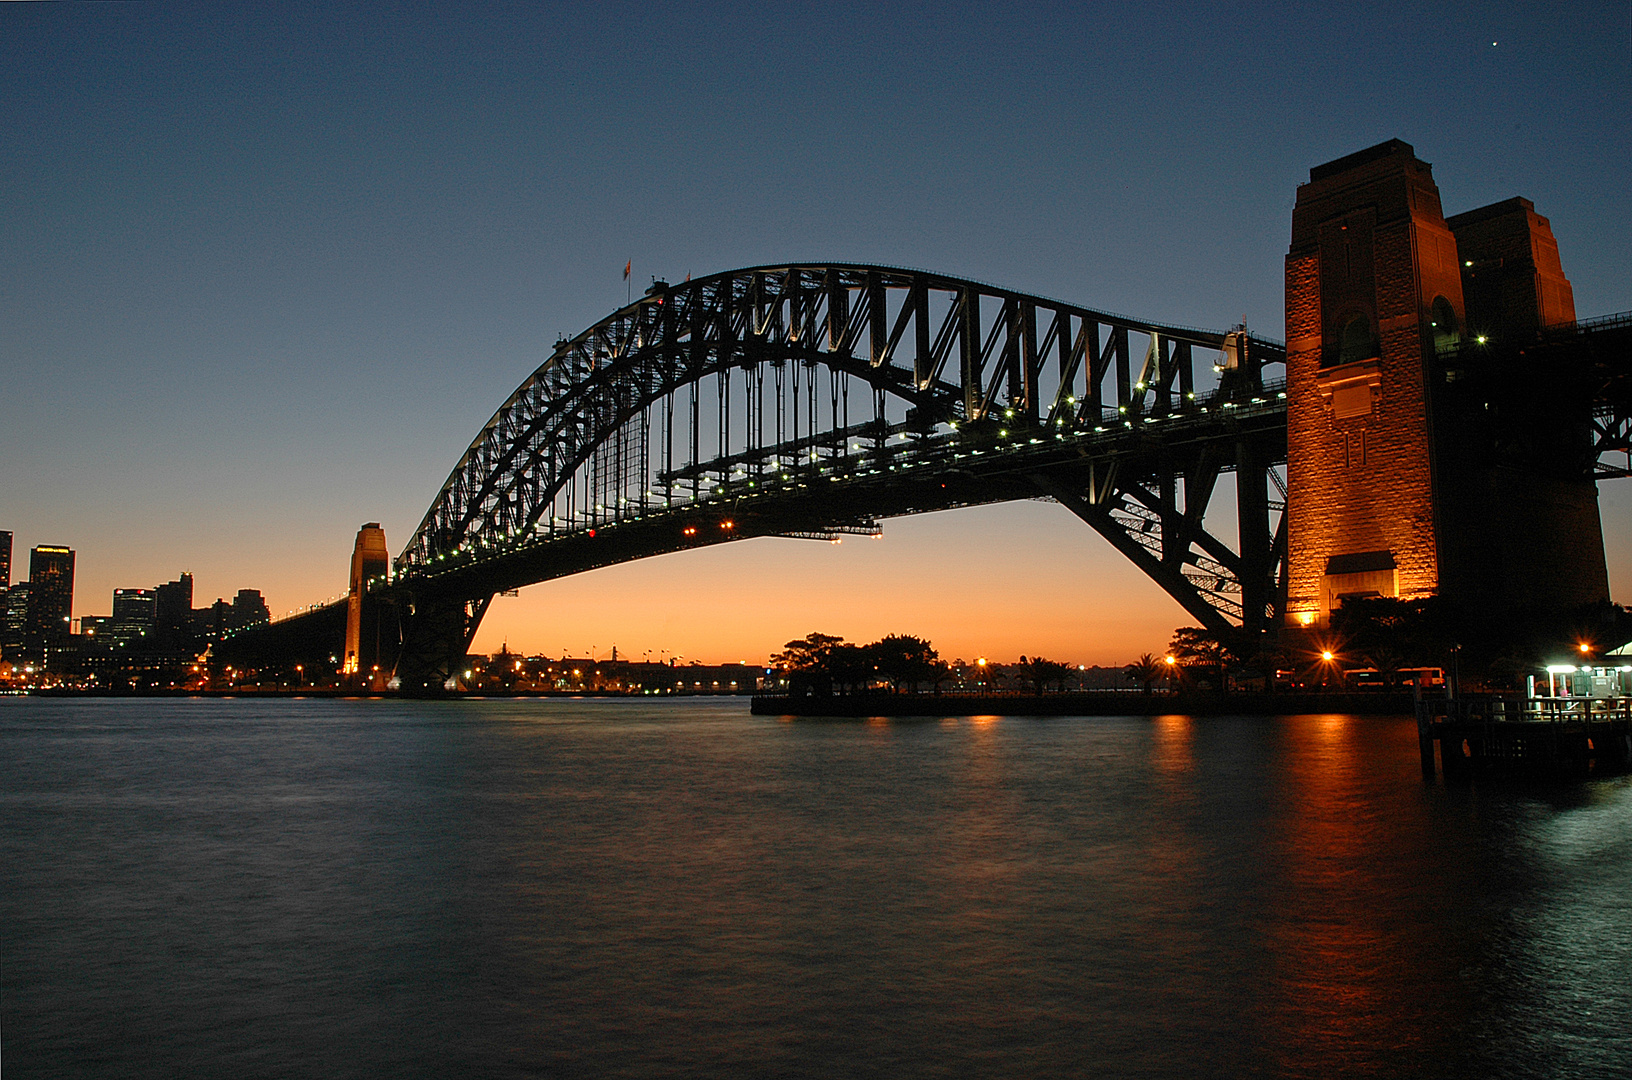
(808, 400)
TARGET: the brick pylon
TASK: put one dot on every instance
(1402, 483)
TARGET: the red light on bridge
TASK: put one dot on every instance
(592, 534)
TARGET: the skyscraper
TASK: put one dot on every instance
(173, 613)
(133, 622)
(50, 596)
(5, 560)
(14, 622)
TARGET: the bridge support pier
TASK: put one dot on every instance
(436, 636)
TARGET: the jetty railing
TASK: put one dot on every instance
(1511, 734)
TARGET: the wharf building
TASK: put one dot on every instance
(1409, 482)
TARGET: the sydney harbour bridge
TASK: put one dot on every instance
(812, 400)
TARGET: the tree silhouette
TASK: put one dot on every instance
(1039, 672)
(1146, 671)
(806, 663)
(904, 660)
(1205, 650)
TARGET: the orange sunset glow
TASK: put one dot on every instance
(995, 581)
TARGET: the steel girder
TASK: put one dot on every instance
(996, 395)
(1559, 398)
(1606, 344)
(438, 630)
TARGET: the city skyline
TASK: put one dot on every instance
(271, 273)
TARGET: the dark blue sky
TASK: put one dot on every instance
(264, 273)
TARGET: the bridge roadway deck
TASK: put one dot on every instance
(977, 465)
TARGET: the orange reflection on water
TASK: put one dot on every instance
(1174, 753)
(1336, 950)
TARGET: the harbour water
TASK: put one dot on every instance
(634, 888)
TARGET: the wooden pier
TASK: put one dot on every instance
(1489, 735)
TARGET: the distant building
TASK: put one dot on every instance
(5, 560)
(135, 618)
(248, 609)
(216, 619)
(14, 622)
(50, 596)
(173, 613)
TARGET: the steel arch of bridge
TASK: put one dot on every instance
(966, 393)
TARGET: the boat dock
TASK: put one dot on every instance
(1467, 737)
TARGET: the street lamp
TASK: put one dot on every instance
(1328, 660)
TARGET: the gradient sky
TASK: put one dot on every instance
(264, 272)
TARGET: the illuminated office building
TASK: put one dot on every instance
(50, 596)
(134, 618)
(14, 622)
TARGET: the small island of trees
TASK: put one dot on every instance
(825, 665)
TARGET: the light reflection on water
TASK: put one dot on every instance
(624, 888)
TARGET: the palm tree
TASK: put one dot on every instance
(1146, 670)
(1039, 672)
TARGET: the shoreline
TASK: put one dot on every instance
(1083, 703)
(336, 692)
